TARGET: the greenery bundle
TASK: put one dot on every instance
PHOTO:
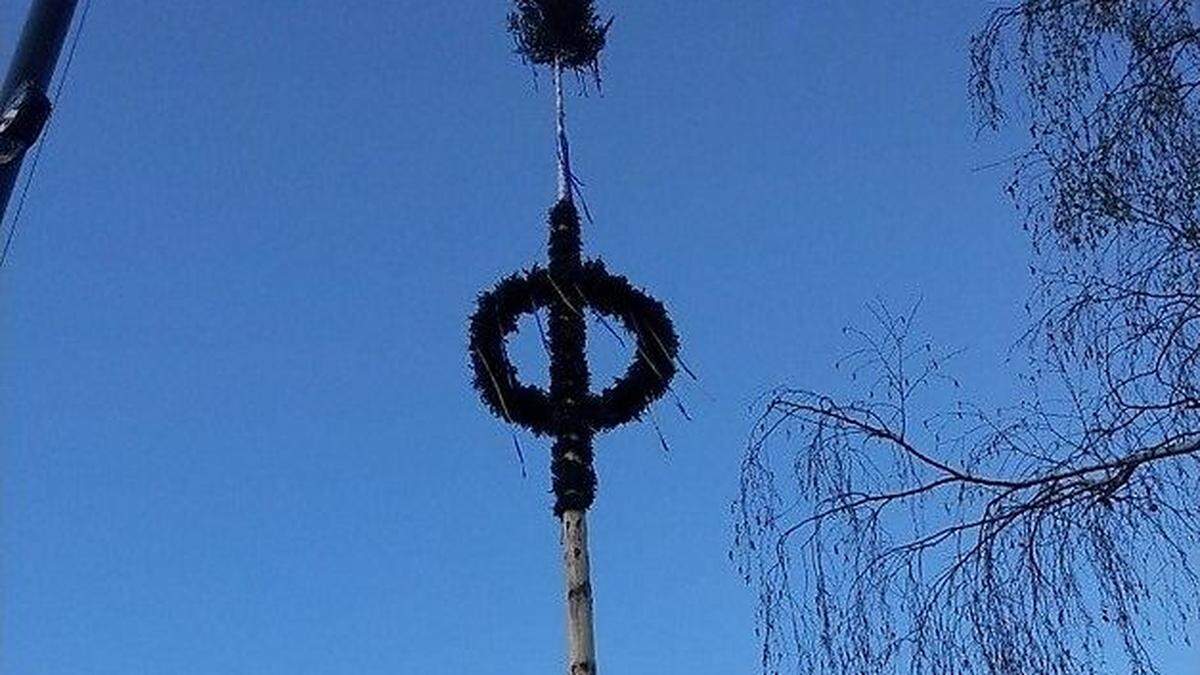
(569, 411)
(559, 33)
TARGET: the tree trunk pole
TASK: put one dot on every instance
(581, 644)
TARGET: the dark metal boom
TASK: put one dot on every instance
(24, 104)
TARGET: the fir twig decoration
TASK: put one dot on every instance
(569, 411)
(568, 34)
(563, 33)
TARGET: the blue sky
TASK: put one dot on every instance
(238, 434)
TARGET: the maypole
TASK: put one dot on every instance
(567, 35)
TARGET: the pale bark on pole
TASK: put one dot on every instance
(581, 644)
(560, 127)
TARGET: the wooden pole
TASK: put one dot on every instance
(581, 643)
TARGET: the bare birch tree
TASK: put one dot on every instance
(900, 529)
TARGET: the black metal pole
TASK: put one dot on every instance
(27, 80)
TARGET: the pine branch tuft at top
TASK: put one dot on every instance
(566, 33)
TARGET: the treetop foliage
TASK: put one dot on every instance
(566, 33)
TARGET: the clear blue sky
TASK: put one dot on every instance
(238, 435)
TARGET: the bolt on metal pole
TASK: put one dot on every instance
(28, 78)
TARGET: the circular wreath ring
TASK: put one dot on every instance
(646, 379)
